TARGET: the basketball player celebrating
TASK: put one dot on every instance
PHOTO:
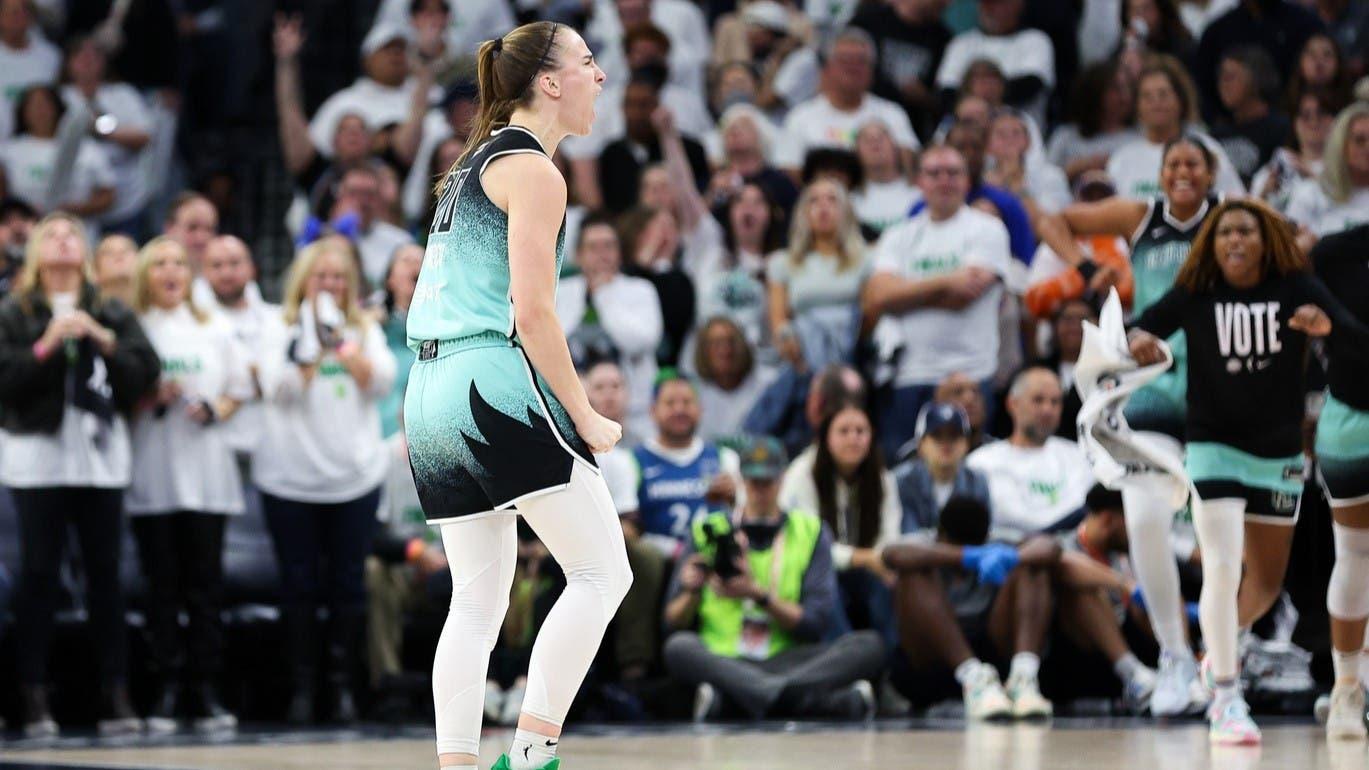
(1343, 460)
(1246, 305)
(497, 419)
(1160, 231)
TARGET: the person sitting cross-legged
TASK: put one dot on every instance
(960, 596)
(749, 601)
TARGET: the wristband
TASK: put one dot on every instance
(413, 549)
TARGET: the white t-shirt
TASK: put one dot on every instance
(208, 362)
(621, 475)
(816, 123)
(249, 325)
(38, 63)
(1311, 207)
(71, 457)
(1135, 168)
(321, 441)
(937, 341)
(722, 412)
(123, 101)
(1025, 53)
(377, 247)
(1033, 489)
(30, 163)
(378, 106)
(883, 204)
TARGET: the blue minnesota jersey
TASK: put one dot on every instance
(670, 496)
(463, 286)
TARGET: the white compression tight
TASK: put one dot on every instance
(1347, 595)
(579, 526)
(1221, 535)
(1150, 520)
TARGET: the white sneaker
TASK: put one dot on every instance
(1138, 691)
(494, 701)
(1321, 710)
(1173, 694)
(1027, 701)
(513, 706)
(1346, 716)
(705, 698)
(984, 696)
(1230, 723)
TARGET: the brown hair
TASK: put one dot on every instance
(701, 362)
(1173, 71)
(1200, 271)
(184, 199)
(505, 69)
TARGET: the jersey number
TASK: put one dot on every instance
(446, 203)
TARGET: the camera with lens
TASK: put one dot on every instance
(722, 551)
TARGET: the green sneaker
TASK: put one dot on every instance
(503, 763)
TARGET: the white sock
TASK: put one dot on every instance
(1346, 665)
(963, 671)
(1150, 521)
(531, 750)
(1127, 667)
(1024, 664)
(1221, 535)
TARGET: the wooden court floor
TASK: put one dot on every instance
(1140, 746)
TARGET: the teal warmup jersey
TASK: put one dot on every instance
(1158, 248)
(483, 428)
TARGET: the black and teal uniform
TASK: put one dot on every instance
(1246, 385)
(1159, 248)
(483, 428)
(1342, 262)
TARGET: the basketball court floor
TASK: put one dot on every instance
(1087, 744)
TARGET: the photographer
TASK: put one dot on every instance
(749, 602)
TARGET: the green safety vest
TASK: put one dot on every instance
(720, 618)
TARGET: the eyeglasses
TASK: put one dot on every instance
(936, 171)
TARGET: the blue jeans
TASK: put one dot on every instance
(869, 602)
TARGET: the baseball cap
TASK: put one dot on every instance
(763, 457)
(384, 33)
(936, 415)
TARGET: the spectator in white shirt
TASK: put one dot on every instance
(36, 154)
(938, 280)
(25, 59)
(1339, 198)
(746, 148)
(321, 461)
(230, 278)
(1037, 481)
(1302, 158)
(844, 104)
(885, 195)
(1102, 110)
(729, 378)
(1012, 163)
(358, 192)
(1025, 56)
(1166, 108)
(602, 308)
(185, 483)
(606, 389)
(390, 96)
(123, 125)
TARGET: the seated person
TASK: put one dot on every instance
(936, 471)
(960, 597)
(749, 603)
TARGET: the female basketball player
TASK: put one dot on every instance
(497, 419)
(1246, 305)
(1343, 460)
(1160, 231)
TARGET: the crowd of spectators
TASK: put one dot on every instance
(804, 270)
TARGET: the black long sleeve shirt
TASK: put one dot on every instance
(1246, 367)
(1342, 263)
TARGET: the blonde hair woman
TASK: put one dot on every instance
(1339, 198)
(72, 366)
(815, 287)
(321, 461)
(178, 509)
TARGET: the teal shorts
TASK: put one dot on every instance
(1343, 453)
(484, 431)
(1270, 487)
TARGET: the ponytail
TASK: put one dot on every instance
(505, 71)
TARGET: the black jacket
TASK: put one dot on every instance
(33, 393)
